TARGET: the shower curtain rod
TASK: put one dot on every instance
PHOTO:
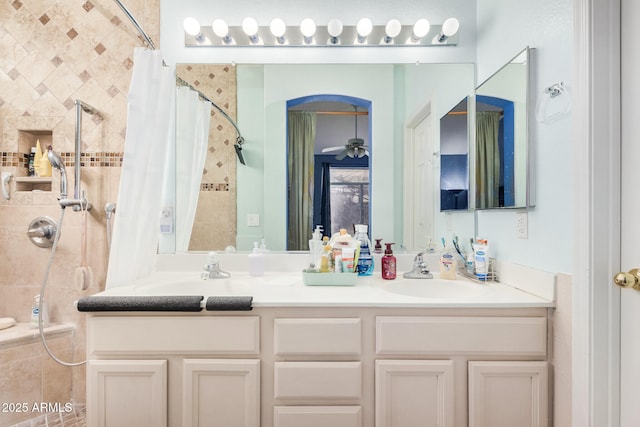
(239, 139)
(144, 35)
(183, 82)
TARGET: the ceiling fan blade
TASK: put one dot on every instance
(337, 147)
(342, 155)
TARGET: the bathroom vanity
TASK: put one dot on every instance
(380, 353)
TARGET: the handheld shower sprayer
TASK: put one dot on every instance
(56, 162)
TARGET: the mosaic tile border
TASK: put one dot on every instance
(100, 159)
(214, 186)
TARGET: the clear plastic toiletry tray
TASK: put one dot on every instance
(312, 278)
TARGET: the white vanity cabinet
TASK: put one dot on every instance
(173, 370)
(321, 366)
(491, 370)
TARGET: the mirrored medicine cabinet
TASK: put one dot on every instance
(494, 169)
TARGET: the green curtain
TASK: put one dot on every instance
(302, 137)
(487, 159)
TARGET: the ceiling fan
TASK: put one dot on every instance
(354, 147)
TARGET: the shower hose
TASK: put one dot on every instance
(42, 298)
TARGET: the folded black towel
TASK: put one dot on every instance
(230, 303)
(140, 303)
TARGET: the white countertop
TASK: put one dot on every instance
(286, 289)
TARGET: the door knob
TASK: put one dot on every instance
(628, 280)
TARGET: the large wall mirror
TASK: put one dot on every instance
(502, 148)
(241, 204)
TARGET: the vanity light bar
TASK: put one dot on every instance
(292, 36)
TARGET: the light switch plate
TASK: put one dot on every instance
(253, 220)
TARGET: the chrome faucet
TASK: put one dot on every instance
(212, 268)
(420, 269)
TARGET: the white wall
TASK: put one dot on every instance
(504, 29)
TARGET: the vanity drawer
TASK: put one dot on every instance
(166, 334)
(317, 416)
(318, 381)
(497, 336)
(318, 337)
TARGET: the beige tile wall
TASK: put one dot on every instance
(218, 190)
(51, 53)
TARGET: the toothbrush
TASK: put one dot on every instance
(457, 246)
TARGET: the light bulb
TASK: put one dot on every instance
(334, 28)
(250, 28)
(220, 28)
(278, 27)
(308, 27)
(450, 27)
(364, 27)
(191, 26)
(392, 29)
(420, 29)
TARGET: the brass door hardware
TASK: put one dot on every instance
(628, 280)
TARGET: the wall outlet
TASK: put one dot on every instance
(522, 225)
(253, 220)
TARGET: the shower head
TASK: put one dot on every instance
(56, 162)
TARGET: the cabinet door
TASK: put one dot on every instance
(508, 394)
(126, 393)
(221, 392)
(414, 393)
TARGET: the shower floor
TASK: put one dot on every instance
(77, 418)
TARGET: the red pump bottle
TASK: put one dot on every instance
(388, 263)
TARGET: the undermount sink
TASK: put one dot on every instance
(437, 288)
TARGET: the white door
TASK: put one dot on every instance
(419, 180)
(630, 213)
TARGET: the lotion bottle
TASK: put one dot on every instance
(256, 261)
(447, 264)
(389, 263)
(35, 313)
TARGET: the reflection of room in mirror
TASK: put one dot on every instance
(218, 187)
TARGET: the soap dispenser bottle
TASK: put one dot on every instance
(256, 261)
(389, 263)
(315, 249)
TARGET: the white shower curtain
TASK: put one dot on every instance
(192, 139)
(149, 130)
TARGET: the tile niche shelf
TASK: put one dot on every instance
(33, 183)
(28, 138)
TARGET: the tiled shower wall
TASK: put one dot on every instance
(218, 188)
(51, 53)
